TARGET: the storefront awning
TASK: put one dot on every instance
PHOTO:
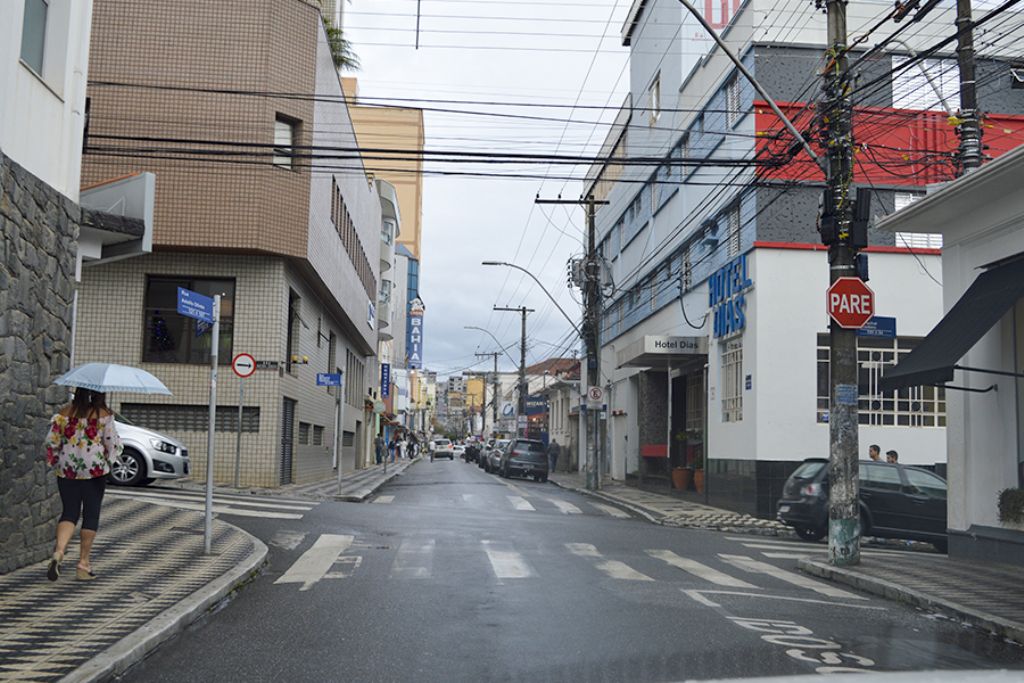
(660, 351)
(982, 305)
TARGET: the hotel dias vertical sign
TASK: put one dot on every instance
(414, 339)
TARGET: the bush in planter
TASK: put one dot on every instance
(1011, 506)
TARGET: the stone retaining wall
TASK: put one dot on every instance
(39, 229)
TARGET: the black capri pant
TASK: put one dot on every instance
(82, 497)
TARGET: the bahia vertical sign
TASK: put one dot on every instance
(414, 334)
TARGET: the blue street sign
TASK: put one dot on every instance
(879, 326)
(328, 379)
(194, 305)
(385, 380)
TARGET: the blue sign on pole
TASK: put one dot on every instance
(878, 326)
(328, 379)
(385, 379)
(195, 305)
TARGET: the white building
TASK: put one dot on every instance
(977, 350)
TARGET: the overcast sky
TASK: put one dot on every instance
(541, 51)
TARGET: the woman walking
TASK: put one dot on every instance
(80, 446)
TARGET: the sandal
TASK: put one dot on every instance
(84, 574)
(53, 570)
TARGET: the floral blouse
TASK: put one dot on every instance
(82, 448)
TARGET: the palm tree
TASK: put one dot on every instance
(341, 49)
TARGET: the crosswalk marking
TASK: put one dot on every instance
(219, 509)
(383, 500)
(315, 562)
(699, 569)
(613, 511)
(520, 503)
(217, 498)
(788, 546)
(507, 564)
(565, 507)
(786, 556)
(757, 567)
(613, 568)
(414, 560)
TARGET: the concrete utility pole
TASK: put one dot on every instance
(837, 233)
(494, 384)
(970, 123)
(523, 389)
(591, 332)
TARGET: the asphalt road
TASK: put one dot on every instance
(452, 574)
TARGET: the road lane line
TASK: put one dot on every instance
(414, 560)
(699, 570)
(613, 511)
(787, 546)
(507, 564)
(754, 566)
(698, 595)
(316, 561)
(565, 507)
(224, 500)
(383, 500)
(786, 556)
(219, 509)
(613, 568)
(520, 503)
(515, 489)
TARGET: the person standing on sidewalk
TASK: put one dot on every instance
(378, 447)
(80, 446)
(554, 450)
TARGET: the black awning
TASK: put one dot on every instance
(982, 305)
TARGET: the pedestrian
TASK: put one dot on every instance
(554, 450)
(80, 446)
(874, 452)
(378, 448)
(393, 448)
(892, 457)
(401, 447)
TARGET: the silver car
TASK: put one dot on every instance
(147, 456)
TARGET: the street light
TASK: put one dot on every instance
(473, 327)
(539, 284)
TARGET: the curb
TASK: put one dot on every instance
(134, 647)
(610, 499)
(989, 622)
(362, 494)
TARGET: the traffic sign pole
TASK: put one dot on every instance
(214, 347)
(244, 366)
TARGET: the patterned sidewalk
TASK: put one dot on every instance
(153, 580)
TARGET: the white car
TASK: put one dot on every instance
(459, 450)
(442, 448)
(147, 455)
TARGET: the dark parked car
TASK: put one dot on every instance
(896, 501)
(525, 457)
(472, 452)
(492, 458)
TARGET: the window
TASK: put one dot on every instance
(318, 435)
(303, 433)
(33, 34)
(914, 240)
(413, 279)
(387, 232)
(353, 380)
(285, 133)
(292, 331)
(923, 406)
(172, 338)
(171, 418)
(734, 231)
(883, 477)
(732, 381)
(732, 101)
(654, 100)
(925, 483)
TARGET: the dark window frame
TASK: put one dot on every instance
(188, 325)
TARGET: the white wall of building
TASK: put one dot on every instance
(42, 115)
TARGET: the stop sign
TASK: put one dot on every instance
(850, 302)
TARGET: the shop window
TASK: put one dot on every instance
(304, 433)
(173, 338)
(923, 406)
(732, 381)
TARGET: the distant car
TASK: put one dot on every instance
(147, 456)
(525, 457)
(458, 450)
(442, 449)
(896, 501)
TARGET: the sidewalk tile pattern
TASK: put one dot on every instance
(147, 557)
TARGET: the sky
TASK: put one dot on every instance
(563, 52)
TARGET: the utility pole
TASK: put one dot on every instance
(591, 330)
(494, 391)
(970, 123)
(837, 231)
(523, 389)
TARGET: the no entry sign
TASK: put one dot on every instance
(851, 303)
(244, 365)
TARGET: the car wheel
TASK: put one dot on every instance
(129, 470)
(810, 533)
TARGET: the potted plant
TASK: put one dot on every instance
(681, 475)
(1011, 508)
(698, 474)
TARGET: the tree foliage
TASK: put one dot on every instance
(342, 53)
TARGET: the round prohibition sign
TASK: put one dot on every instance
(243, 365)
(595, 394)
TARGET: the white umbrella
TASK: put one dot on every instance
(107, 377)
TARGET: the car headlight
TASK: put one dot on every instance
(163, 446)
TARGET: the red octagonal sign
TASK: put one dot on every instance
(851, 303)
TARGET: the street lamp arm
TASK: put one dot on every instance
(500, 346)
(539, 284)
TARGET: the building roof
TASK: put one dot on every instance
(632, 19)
(558, 367)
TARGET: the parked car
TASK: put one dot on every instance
(442, 449)
(485, 450)
(525, 457)
(896, 501)
(494, 455)
(147, 456)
